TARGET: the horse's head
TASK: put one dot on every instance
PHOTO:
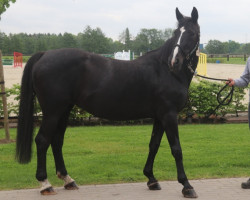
(185, 40)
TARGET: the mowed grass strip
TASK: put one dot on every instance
(115, 154)
(223, 60)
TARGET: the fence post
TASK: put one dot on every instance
(245, 57)
(5, 109)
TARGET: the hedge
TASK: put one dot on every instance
(203, 100)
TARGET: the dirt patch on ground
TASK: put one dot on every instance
(5, 141)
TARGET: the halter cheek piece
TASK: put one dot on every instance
(191, 53)
(188, 56)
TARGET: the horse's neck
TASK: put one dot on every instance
(185, 76)
(190, 71)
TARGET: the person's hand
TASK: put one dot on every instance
(230, 82)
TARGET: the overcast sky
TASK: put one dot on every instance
(219, 19)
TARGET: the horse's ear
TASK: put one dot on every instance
(194, 15)
(179, 16)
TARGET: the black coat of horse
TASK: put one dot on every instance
(153, 86)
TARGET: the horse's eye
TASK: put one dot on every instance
(192, 34)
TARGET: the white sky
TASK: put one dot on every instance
(219, 19)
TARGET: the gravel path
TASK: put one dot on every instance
(210, 189)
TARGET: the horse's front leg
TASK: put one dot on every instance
(171, 127)
(153, 149)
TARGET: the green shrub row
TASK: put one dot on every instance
(201, 102)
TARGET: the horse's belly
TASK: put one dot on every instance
(122, 114)
(117, 109)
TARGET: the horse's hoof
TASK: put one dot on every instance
(246, 185)
(154, 186)
(48, 191)
(189, 193)
(71, 186)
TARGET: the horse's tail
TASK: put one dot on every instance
(26, 110)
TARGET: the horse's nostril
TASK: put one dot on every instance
(177, 61)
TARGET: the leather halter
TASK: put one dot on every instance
(191, 52)
(188, 56)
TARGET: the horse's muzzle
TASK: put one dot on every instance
(175, 64)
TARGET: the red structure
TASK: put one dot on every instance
(18, 59)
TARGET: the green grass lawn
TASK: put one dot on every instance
(223, 60)
(114, 154)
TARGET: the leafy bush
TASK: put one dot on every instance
(14, 92)
(202, 101)
(77, 115)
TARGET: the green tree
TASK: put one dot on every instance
(117, 46)
(3, 42)
(167, 33)
(149, 39)
(4, 4)
(231, 47)
(94, 40)
(125, 38)
(40, 42)
(28, 44)
(215, 47)
(141, 43)
(68, 40)
(5, 45)
(245, 48)
(16, 43)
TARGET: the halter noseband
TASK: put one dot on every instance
(188, 56)
(191, 52)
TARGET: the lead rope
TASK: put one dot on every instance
(221, 101)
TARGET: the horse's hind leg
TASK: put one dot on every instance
(57, 143)
(43, 140)
(153, 149)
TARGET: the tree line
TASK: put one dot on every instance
(91, 39)
(94, 40)
(230, 47)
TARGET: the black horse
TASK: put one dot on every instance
(153, 86)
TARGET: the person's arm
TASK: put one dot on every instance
(244, 80)
(230, 82)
